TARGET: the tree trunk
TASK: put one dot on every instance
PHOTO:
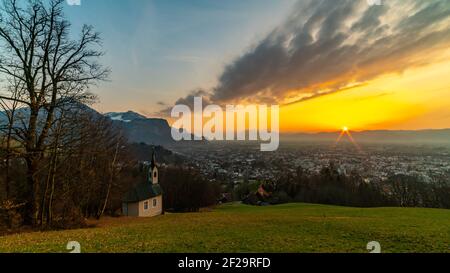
(7, 162)
(50, 202)
(44, 214)
(33, 206)
(32, 158)
(111, 178)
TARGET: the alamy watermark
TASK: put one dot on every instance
(234, 123)
(74, 247)
(374, 247)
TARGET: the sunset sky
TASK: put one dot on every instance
(328, 63)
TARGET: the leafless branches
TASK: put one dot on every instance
(44, 71)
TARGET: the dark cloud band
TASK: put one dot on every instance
(328, 45)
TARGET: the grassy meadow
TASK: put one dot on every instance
(240, 228)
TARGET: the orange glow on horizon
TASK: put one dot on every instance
(417, 99)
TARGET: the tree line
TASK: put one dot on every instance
(60, 161)
(333, 187)
(186, 190)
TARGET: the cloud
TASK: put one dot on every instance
(325, 93)
(188, 100)
(327, 45)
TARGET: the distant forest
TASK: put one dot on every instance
(333, 187)
(61, 162)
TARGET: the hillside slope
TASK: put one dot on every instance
(239, 228)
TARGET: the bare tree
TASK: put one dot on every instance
(8, 109)
(37, 52)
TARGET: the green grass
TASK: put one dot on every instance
(240, 228)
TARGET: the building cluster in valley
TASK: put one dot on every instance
(236, 163)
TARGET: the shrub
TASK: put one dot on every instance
(11, 215)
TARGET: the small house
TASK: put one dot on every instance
(145, 199)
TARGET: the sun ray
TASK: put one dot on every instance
(346, 131)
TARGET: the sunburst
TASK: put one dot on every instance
(346, 132)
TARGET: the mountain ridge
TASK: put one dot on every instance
(157, 131)
(377, 136)
(141, 129)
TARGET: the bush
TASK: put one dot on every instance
(280, 197)
(72, 218)
(11, 215)
(185, 190)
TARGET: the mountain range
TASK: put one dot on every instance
(157, 131)
(438, 136)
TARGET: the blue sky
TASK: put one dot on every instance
(160, 50)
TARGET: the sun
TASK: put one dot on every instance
(346, 132)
